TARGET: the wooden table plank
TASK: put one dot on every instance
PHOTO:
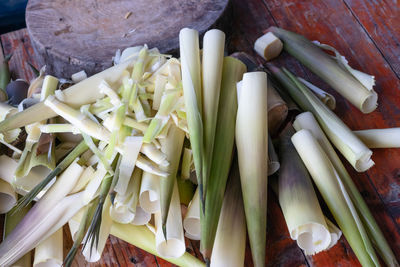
(381, 20)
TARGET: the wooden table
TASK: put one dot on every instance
(368, 34)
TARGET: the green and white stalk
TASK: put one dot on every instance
(379, 138)
(171, 146)
(87, 90)
(307, 121)
(298, 201)
(191, 83)
(335, 195)
(191, 222)
(252, 147)
(339, 134)
(149, 195)
(230, 240)
(212, 63)
(49, 252)
(355, 86)
(232, 72)
(328, 99)
(171, 243)
(141, 126)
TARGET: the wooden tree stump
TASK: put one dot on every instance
(74, 35)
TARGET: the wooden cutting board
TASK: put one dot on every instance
(74, 35)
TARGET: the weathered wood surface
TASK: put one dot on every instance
(367, 33)
(70, 36)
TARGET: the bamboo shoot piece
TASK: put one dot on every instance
(339, 134)
(335, 195)
(268, 46)
(355, 86)
(49, 253)
(230, 240)
(149, 196)
(173, 246)
(191, 222)
(212, 62)
(252, 147)
(380, 138)
(307, 121)
(298, 201)
(232, 72)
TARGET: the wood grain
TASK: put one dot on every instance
(75, 35)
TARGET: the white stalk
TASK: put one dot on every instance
(191, 223)
(149, 196)
(79, 76)
(379, 138)
(268, 46)
(174, 244)
(49, 252)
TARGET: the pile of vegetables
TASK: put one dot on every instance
(145, 151)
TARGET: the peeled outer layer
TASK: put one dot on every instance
(8, 197)
(222, 153)
(171, 146)
(380, 138)
(273, 161)
(230, 241)
(191, 223)
(307, 121)
(328, 99)
(277, 110)
(87, 90)
(339, 134)
(212, 62)
(298, 201)
(49, 253)
(174, 244)
(268, 46)
(323, 65)
(252, 148)
(149, 195)
(335, 196)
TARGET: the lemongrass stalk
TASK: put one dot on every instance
(131, 150)
(268, 46)
(39, 224)
(307, 121)
(212, 62)
(339, 77)
(49, 252)
(86, 177)
(171, 146)
(191, 222)
(339, 134)
(336, 233)
(160, 82)
(328, 99)
(298, 201)
(87, 90)
(92, 146)
(277, 109)
(143, 238)
(334, 193)
(191, 83)
(8, 197)
(187, 160)
(379, 138)
(78, 119)
(49, 87)
(252, 146)
(273, 160)
(230, 240)
(92, 187)
(10, 222)
(93, 253)
(141, 126)
(232, 72)
(171, 243)
(154, 154)
(149, 195)
(147, 166)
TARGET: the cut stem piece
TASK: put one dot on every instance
(380, 138)
(268, 46)
(335, 195)
(252, 147)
